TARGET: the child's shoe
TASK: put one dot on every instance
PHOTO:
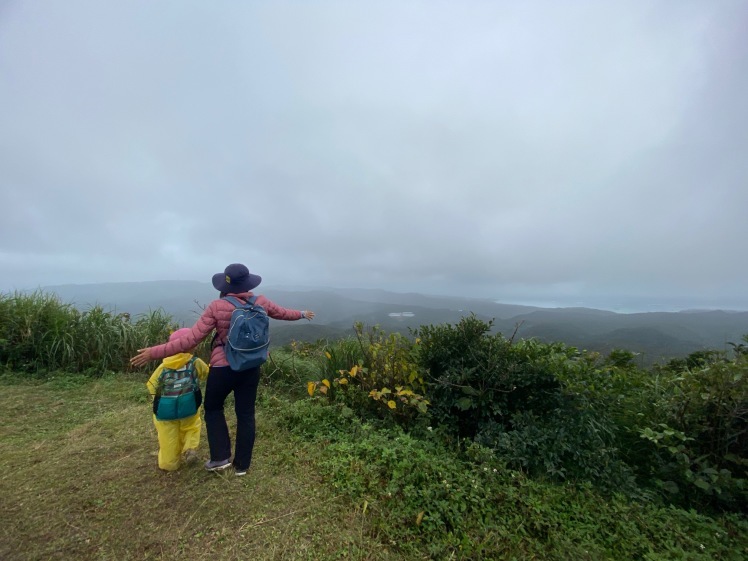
(189, 457)
(217, 465)
(239, 472)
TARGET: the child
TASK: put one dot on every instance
(175, 387)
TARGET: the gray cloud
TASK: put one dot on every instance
(582, 153)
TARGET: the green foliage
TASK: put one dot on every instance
(421, 496)
(378, 377)
(698, 433)
(339, 355)
(621, 358)
(681, 428)
(39, 333)
(562, 445)
(678, 432)
(476, 377)
(513, 398)
(696, 359)
(288, 368)
(740, 349)
(389, 359)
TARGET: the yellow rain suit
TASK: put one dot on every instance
(178, 436)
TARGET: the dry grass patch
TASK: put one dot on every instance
(79, 481)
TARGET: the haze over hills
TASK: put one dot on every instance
(656, 336)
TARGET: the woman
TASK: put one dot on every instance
(237, 281)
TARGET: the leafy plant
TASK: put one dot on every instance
(384, 374)
(475, 377)
(425, 499)
(699, 433)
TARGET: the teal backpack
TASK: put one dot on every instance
(178, 393)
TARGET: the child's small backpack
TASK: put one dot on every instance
(247, 342)
(178, 393)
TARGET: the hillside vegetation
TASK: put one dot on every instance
(450, 442)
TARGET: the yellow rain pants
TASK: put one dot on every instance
(175, 438)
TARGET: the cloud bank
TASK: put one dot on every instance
(575, 154)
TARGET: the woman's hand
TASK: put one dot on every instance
(143, 357)
(309, 315)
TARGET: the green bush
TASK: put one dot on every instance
(39, 333)
(424, 499)
(476, 378)
(376, 374)
(698, 432)
(513, 398)
(562, 445)
(681, 428)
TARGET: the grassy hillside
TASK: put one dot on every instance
(457, 443)
(80, 481)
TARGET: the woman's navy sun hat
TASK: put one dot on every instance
(236, 278)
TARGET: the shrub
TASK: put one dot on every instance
(698, 433)
(379, 377)
(288, 368)
(524, 400)
(564, 444)
(426, 500)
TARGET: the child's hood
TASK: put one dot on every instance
(177, 360)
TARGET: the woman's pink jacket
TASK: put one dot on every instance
(218, 316)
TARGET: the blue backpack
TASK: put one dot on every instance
(247, 342)
(178, 394)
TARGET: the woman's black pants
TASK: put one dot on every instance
(221, 382)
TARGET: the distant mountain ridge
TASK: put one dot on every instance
(656, 336)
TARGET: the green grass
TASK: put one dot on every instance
(79, 481)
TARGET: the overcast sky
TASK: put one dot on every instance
(558, 153)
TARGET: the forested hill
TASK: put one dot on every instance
(656, 335)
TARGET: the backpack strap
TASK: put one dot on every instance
(193, 373)
(233, 299)
(238, 303)
(160, 381)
